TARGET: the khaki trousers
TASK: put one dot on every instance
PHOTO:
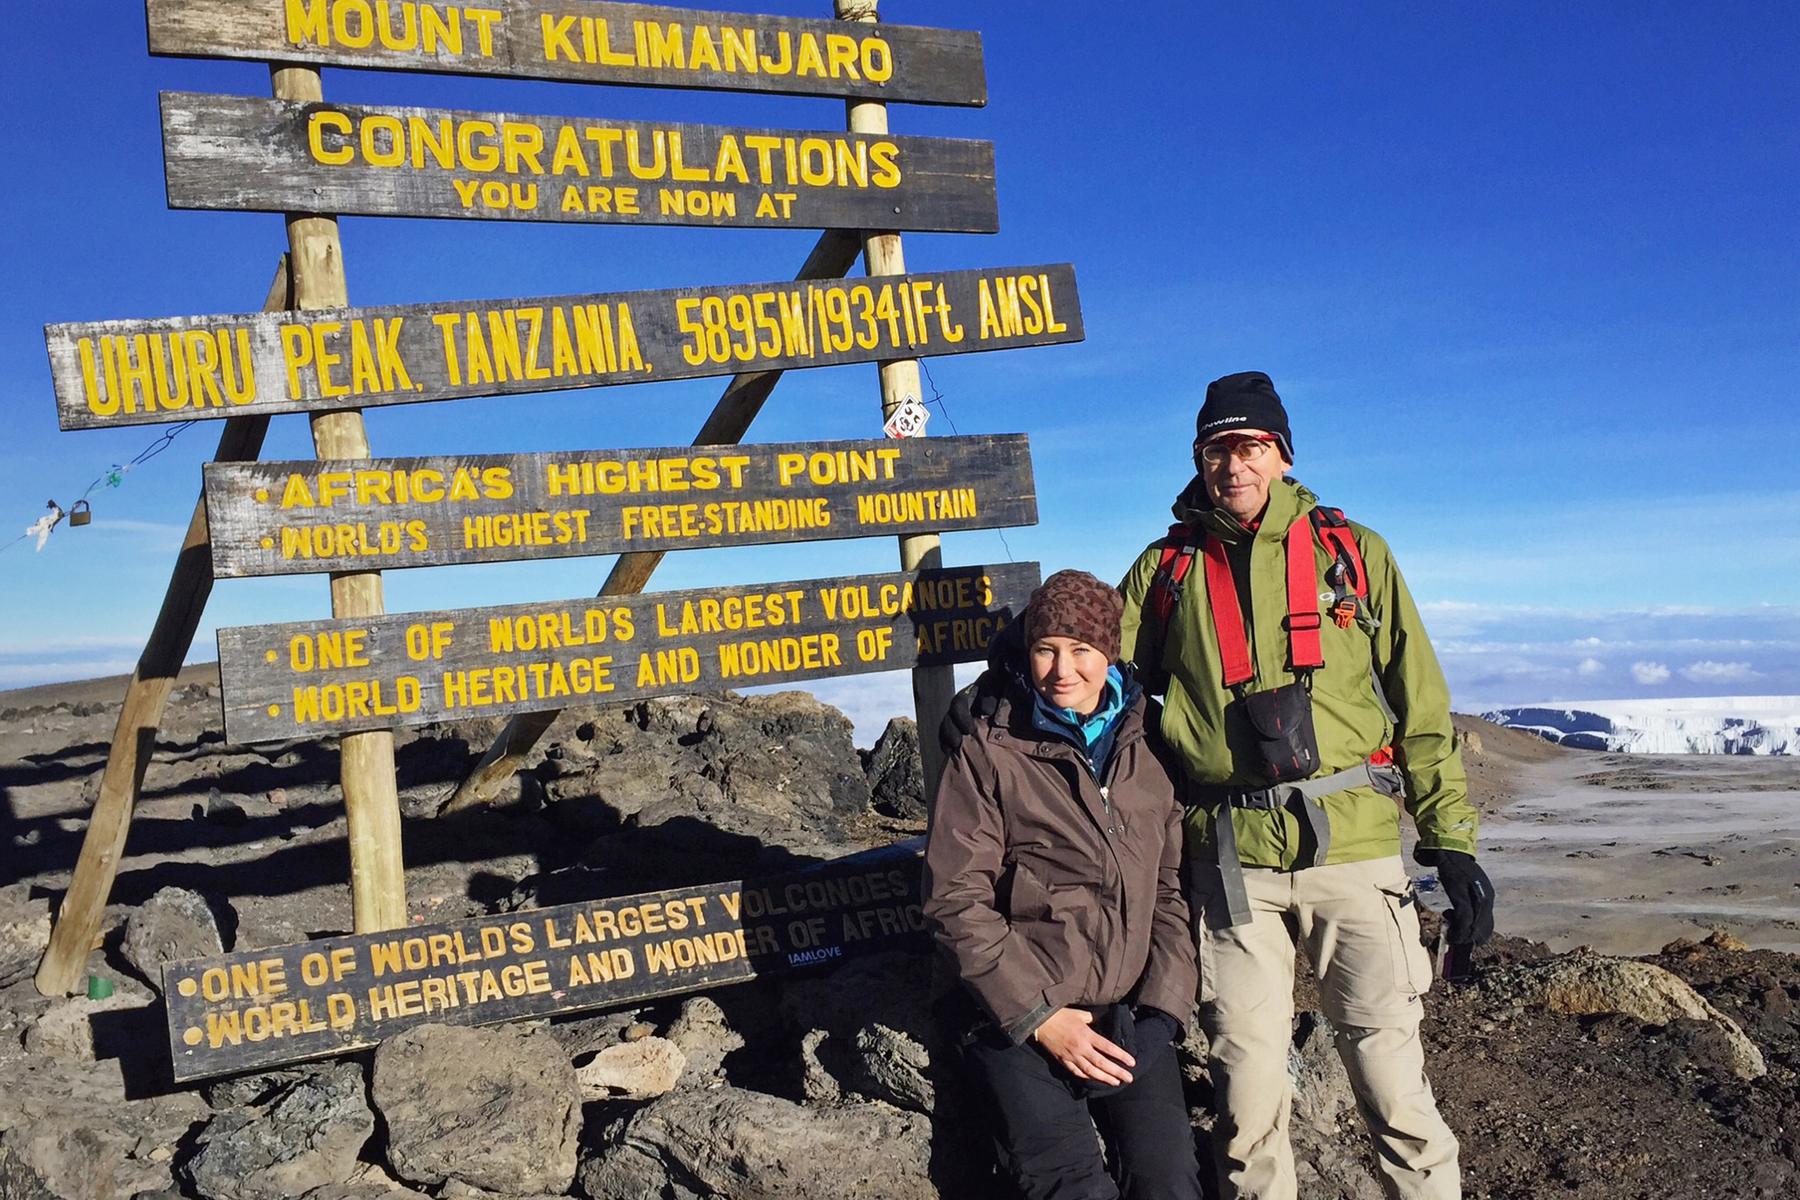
(1360, 924)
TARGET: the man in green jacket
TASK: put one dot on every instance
(1303, 700)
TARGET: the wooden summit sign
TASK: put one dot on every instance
(241, 153)
(256, 1008)
(586, 43)
(278, 518)
(138, 372)
(310, 678)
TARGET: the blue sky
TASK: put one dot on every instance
(1526, 275)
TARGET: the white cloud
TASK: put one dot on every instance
(1649, 673)
(1589, 666)
(1707, 671)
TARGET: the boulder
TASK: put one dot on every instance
(734, 1144)
(24, 932)
(895, 772)
(1330, 1147)
(705, 1037)
(307, 1137)
(366, 1182)
(66, 1028)
(1321, 1085)
(1583, 983)
(780, 768)
(867, 1026)
(637, 1070)
(486, 1107)
(69, 1156)
(173, 924)
(818, 1083)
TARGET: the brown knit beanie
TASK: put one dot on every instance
(1075, 604)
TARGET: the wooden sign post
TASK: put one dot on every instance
(366, 760)
(64, 965)
(933, 687)
(364, 673)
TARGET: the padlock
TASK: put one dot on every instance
(80, 513)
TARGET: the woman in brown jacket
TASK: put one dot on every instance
(1052, 888)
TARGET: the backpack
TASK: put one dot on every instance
(1348, 578)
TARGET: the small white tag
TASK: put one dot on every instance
(908, 420)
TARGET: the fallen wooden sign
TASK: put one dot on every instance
(137, 372)
(247, 154)
(308, 678)
(586, 42)
(273, 518)
(257, 1008)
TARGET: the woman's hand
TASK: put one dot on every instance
(1069, 1037)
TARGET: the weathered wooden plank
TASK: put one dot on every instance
(277, 518)
(140, 372)
(309, 678)
(584, 42)
(243, 153)
(256, 1008)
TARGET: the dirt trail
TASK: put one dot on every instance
(1625, 852)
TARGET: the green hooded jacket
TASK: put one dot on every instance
(1386, 648)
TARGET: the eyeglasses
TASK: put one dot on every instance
(1244, 449)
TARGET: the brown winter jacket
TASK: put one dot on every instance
(1045, 888)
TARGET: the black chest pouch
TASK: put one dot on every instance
(1281, 720)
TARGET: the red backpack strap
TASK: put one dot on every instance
(1303, 620)
(1228, 618)
(1334, 533)
(1171, 572)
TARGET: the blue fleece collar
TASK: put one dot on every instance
(1092, 727)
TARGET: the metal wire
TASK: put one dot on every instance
(937, 398)
(162, 442)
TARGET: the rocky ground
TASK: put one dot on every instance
(1674, 1075)
(1624, 852)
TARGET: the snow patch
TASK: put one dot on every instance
(1710, 725)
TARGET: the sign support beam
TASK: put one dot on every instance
(933, 687)
(832, 257)
(64, 964)
(367, 770)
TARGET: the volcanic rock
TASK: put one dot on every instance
(173, 924)
(895, 772)
(637, 1070)
(308, 1137)
(734, 1144)
(487, 1107)
(1583, 983)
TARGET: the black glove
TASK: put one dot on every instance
(1470, 921)
(980, 699)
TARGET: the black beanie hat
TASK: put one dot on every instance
(1246, 400)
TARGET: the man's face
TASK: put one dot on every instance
(1237, 468)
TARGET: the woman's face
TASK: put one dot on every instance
(1067, 673)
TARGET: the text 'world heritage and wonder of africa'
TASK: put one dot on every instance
(310, 678)
(258, 1007)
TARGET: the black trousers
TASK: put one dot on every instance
(1044, 1128)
